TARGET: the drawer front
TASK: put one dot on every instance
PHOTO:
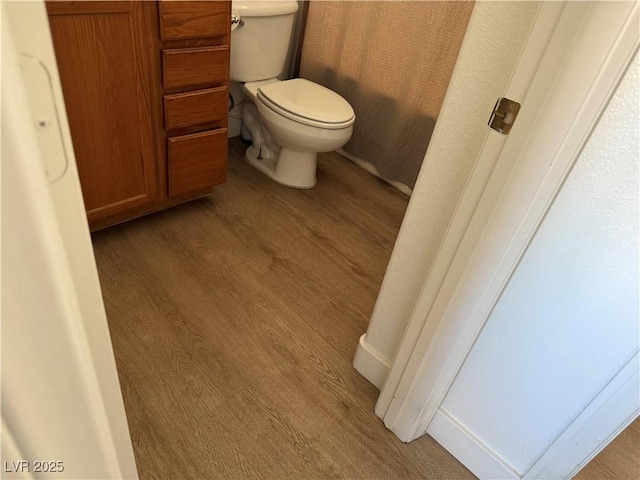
(196, 108)
(180, 19)
(197, 161)
(188, 67)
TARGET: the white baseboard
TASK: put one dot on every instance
(610, 412)
(370, 364)
(468, 449)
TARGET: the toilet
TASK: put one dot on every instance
(287, 121)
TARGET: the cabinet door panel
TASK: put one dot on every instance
(103, 51)
(197, 161)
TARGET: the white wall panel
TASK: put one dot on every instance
(568, 319)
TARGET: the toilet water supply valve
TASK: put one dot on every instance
(236, 21)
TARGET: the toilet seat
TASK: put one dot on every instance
(308, 103)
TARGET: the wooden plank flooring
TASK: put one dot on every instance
(234, 322)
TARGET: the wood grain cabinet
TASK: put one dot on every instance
(146, 93)
(181, 20)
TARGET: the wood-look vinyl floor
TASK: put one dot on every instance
(234, 321)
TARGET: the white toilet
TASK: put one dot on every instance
(288, 121)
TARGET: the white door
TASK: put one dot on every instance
(525, 363)
(566, 323)
(62, 409)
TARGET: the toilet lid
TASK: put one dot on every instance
(303, 99)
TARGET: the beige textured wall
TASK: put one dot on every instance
(392, 61)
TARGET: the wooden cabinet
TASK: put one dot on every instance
(146, 92)
(200, 107)
(106, 58)
(181, 20)
(195, 54)
(196, 160)
(190, 67)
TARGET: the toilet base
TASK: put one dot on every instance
(289, 167)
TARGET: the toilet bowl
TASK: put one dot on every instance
(290, 122)
(287, 121)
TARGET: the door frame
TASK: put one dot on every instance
(70, 279)
(573, 60)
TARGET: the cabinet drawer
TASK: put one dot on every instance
(197, 161)
(188, 67)
(196, 108)
(180, 19)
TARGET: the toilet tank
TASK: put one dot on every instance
(259, 45)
